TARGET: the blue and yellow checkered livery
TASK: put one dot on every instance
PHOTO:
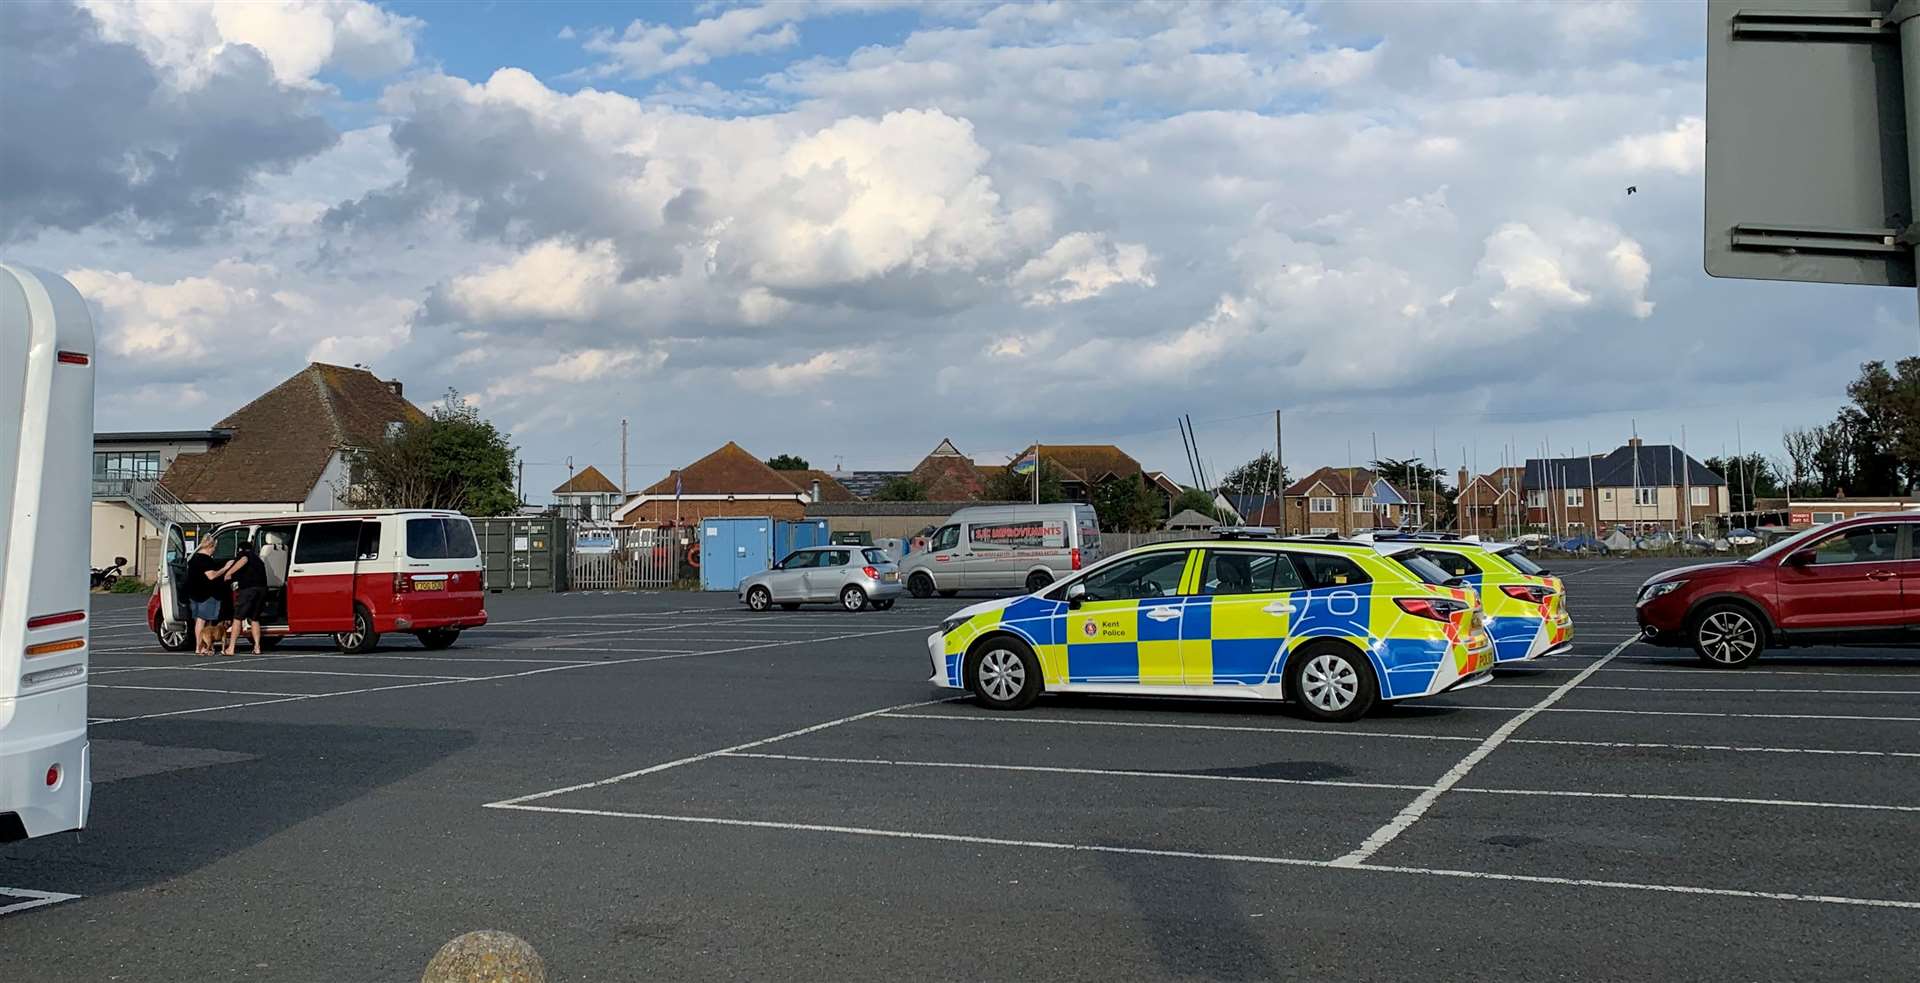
(1217, 643)
(1526, 612)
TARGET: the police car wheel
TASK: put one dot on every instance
(920, 585)
(1330, 681)
(1003, 674)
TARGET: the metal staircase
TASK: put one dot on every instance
(148, 499)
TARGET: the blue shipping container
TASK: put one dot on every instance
(789, 536)
(733, 549)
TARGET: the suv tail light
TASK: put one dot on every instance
(1076, 557)
(402, 583)
(1438, 609)
(871, 573)
(1527, 592)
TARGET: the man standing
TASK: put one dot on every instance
(249, 577)
(204, 585)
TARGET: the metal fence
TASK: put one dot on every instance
(624, 558)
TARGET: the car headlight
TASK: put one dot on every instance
(950, 625)
(1651, 591)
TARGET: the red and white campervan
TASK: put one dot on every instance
(353, 575)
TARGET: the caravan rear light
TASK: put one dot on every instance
(1076, 558)
(72, 358)
(54, 648)
(49, 620)
(402, 583)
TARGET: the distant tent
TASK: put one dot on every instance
(1618, 541)
(1582, 543)
(1659, 539)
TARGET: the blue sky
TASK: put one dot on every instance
(848, 233)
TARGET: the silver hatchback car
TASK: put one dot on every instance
(850, 576)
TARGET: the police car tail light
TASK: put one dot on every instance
(1527, 592)
(1076, 557)
(1430, 607)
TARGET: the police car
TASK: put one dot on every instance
(1336, 627)
(1526, 607)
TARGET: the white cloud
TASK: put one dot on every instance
(299, 38)
(1680, 149)
(1079, 266)
(553, 281)
(645, 49)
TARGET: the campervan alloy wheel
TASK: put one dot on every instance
(173, 638)
(362, 638)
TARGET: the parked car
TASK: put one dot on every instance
(1004, 547)
(1833, 584)
(352, 575)
(850, 576)
(1334, 626)
(1526, 606)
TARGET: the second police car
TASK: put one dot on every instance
(1336, 627)
(1526, 607)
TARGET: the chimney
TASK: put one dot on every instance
(394, 387)
(1633, 441)
(1462, 486)
(813, 491)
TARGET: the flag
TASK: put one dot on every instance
(1025, 465)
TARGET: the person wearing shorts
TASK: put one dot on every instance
(249, 578)
(205, 583)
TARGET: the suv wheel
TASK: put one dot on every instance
(1728, 636)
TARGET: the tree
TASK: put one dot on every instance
(451, 460)
(788, 462)
(1748, 478)
(1011, 486)
(1256, 477)
(1198, 501)
(1125, 504)
(900, 488)
(1418, 480)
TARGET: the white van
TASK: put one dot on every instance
(1004, 547)
(352, 575)
(46, 442)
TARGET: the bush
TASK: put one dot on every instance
(129, 585)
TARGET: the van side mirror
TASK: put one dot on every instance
(1801, 558)
(1076, 596)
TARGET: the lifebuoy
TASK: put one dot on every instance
(693, 557)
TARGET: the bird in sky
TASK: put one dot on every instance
(1631, 188)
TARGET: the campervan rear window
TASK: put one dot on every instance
(440, 539)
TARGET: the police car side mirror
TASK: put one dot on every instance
(1076, 596)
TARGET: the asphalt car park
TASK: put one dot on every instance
(667, 786)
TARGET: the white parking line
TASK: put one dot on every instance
(1425, 800)
(1061, 770)
(1683, 713)
(35, 899)
(1311, 731)
(1740, 748)
(188, 689)
(1719, 689)
(1658, 797)
(1219, 857)
(455, 680)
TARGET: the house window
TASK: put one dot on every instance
(1322, 531)
(1646, 496)
(1703, 496)
(1536, 499)
(1363, 504)
(1323, 505)
(1576, 498)
(1607, 495)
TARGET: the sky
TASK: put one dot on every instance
(848, 230)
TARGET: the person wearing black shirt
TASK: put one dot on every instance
(249, 577)
(205, 583)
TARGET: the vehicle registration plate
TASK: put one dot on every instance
(891, 575)
(429, 585)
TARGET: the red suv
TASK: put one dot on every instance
(1838, 584)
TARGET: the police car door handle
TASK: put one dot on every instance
(1163, 614)
(1278, 607)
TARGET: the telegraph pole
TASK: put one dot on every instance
(623, 460)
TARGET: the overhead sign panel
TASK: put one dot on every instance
(1807, 169)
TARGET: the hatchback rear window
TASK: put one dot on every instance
(1523, 563)
(876, 556)
(1428, 571)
